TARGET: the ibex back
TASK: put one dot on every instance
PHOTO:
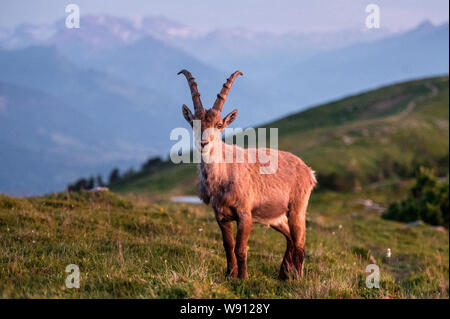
(237, 191)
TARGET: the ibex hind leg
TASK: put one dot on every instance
(287, 263)
(297, 227)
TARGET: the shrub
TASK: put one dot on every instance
(427, 200)
(82, 184)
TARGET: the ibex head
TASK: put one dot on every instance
(212, 122)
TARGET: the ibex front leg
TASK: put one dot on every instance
(244, 228)
(228, 244)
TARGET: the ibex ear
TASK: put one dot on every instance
(187, 114)
(227, 120)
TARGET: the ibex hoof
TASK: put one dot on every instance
(231, 274)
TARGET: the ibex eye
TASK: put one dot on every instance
(219, 125)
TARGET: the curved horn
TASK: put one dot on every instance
(222, 96)
(194, 91)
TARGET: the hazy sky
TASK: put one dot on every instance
(204, 15)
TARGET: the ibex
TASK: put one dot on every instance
(239, 192)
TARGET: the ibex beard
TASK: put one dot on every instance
(238, 191)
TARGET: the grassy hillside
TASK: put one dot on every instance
(139, 249)
(363, 139)
(139, 244)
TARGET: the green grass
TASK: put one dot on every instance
(140, 245)
(175, 251)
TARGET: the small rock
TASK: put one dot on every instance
(347, 140)
(388, 253)
(100, 189)
(387, 258)
(440, 228)
(370, 205)
(366, 202)
(415, 223)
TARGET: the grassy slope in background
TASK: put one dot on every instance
(382, 134)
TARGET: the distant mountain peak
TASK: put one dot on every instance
(425, 26)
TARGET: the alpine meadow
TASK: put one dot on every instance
(135, 241)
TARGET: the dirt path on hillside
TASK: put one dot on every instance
(411, 105)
